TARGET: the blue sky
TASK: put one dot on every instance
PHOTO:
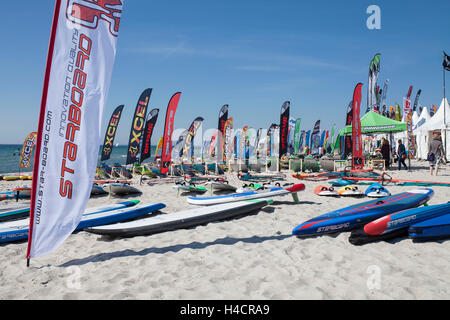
(252, 55)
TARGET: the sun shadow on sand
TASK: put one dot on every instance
(173, 248)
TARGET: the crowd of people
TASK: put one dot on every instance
(435, 154)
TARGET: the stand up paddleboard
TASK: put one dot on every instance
(433, 228)
(14, 214)
(11, 178)
(250, 187)
(256, 186)
(96, 190)
(24, 191)
(182, 219)
(101, 182)
(326, 191)
(341, 183)
(18, 230)
(376, 190)
(357, 215)
(385, 179)
(189, 187)
(7, 195)
(351, 191)
(396, 224)
(337, 174)
(204, 178)
(120, 188)
(221, 186)
(265, 193)
(249, 177)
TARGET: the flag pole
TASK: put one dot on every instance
(41, 123)
(445, 122)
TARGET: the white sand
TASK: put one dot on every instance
(253, 257)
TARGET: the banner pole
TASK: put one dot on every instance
(445, 122)
(443, 76)
(37, 151)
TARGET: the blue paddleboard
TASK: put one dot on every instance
(14, 214)
(24, 212)
(434, 228)
(257, 194)
(18, 230)
(354, 216)
(376, 190)
(396, 224)
(11, 195)
(405, 218)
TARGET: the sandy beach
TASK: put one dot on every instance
(251, 257)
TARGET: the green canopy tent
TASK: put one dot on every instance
(373, 123)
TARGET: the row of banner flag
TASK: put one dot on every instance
(224, 142)
(142, 127)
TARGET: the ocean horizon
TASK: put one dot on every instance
(10, 157)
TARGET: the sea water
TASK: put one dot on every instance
(10, 157)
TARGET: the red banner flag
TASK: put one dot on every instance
(166, 156)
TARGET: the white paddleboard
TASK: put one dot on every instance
(119, 188)
(378, 194)
(265, 193)
(325, 191)
(350, 191)
(96, 189)
(178, 220)
(221, 186)
(18, 229)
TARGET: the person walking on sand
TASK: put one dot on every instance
(435, 153)
(386, 152)
(401, 152)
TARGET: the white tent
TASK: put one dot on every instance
(415, 117)
(421, 139)
(423, 118)
(440, 121)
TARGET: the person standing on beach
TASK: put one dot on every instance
(386, 152)
(401, 152)
(436, 150)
